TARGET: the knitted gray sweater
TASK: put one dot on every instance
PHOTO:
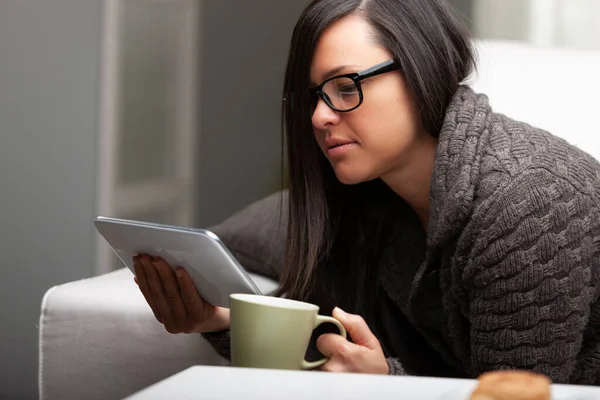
(511, 272)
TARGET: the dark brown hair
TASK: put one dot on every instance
(331, 241)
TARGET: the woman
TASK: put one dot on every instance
(457, 240)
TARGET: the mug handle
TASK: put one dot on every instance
(321, 319)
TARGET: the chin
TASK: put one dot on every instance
(351, 177)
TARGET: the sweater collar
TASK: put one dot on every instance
(463, 137)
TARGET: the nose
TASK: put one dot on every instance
(323, 116)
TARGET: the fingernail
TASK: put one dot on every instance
(340, 311)
(179, 273)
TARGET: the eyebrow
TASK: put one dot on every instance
(332, 72)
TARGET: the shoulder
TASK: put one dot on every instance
(541, 219)
(536, 194)
(522, 151)
(547, 195)
(493, 173)
(521, 163)
(539, 238)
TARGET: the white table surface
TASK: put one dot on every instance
(208, 382)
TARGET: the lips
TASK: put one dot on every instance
(339, 148)
(333, 143)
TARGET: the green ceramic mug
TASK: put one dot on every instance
(272, 332)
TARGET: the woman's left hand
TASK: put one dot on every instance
(364, 355)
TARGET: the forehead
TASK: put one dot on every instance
(348, 42)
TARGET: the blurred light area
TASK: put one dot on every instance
(545, 23)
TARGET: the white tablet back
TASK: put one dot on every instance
(214, 270)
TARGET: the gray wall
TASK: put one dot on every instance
(49, 66)
(50, 55)
(465, 10)
(245, 46)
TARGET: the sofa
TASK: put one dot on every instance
(98, 338)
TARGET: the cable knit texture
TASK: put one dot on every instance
(395, 366)
(511, 271)
(512, 268)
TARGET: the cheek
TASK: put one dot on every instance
(388, 124)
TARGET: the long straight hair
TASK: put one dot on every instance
(330, 237)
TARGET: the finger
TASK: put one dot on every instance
(334, 365)
(140, 275)
(171, 287)
(158, 292)
(194, 304)
(333, 345)
(357, 329)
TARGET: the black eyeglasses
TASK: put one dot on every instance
(343, 93)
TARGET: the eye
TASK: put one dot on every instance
(344, 87)
(348, 90)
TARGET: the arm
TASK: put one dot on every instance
(220, 342)
(395, 366)
(529, 279)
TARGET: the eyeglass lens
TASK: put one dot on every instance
(341, 93)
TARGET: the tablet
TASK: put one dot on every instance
(213, 269)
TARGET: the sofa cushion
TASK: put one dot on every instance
(550, 88)
(256, 234)
(98, 339)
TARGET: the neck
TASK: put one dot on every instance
(412, 180)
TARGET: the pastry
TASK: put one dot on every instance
(512, 385)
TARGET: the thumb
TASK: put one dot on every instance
(357, 328)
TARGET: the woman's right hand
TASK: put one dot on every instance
(174, 299)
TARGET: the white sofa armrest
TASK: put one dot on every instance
(100, 340)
